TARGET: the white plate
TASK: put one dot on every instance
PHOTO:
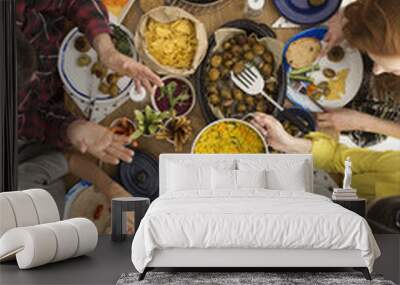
(352, 61)
(77, 79)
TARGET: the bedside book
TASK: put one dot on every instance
(340, 190)
(344, 194)
(344, 198)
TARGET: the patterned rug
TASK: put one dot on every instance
(253, 278)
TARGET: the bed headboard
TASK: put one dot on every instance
(209, 158)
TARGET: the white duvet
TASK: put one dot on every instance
(253, 218)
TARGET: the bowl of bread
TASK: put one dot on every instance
(171, 41)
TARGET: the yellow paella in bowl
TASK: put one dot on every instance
(229, 136)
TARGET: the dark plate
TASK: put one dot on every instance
(305, 116)
(300, 12)
(261, 30)
(140, 177)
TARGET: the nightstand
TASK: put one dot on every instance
(357, 206)
(119, 207)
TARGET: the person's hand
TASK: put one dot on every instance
(273, 131)
(123, 64)
(142, 75)
(277, 137)
(334, 35)
(340, 120)
(99, 141)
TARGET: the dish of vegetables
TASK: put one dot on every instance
(332, 80)
(229, 136)
(177, 95)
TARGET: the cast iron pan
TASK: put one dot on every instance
(140, 177)
(261, 30)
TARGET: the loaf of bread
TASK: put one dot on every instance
(303, 52)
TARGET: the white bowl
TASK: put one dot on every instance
(229, 120)
(183, 79)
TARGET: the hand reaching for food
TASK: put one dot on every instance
(142, 75)
(277, 137)
(272, 130)
(334, 36)
(125, 65)
(89, 137)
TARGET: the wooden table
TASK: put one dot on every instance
(213, 18)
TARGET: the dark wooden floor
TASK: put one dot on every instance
(103, 266)
(110, 260)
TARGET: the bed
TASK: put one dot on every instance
(247, 211)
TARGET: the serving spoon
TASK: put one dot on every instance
(251, 82)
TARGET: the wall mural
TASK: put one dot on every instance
(99, 101)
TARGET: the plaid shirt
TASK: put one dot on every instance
(41, 113)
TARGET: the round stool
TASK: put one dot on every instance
(119, 207)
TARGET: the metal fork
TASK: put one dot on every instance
(252, 83)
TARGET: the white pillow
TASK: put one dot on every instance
(223, 179)
(291, 181)
(183, 178)
(251, 178)
(187, 174)
(289, 174)
(205, 162)
(226, 179)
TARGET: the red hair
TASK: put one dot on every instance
(374, 26)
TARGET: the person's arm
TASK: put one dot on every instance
(141, 74)
(376, 125)
(53, 125)
(277, 137)
(99, 141)
(89, 16)
(351, 120)
(377, 173)
(92, 19)
(336, 23)
(47, 124)
(328, 153)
